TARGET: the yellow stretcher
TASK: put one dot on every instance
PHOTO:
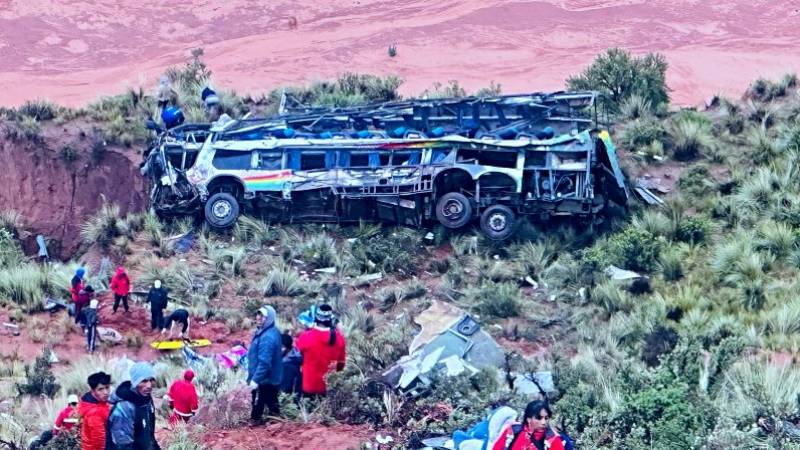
(179, 343)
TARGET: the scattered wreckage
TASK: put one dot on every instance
(451, 343)
(452, 161)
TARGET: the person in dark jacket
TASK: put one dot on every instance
(292, 380)
(265, 365)
(157, 297)
(180, 316)
(89, 321)
(132, 423)
(121, 286)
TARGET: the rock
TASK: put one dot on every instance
(330, 270)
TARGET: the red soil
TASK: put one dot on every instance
(72, 344)
(73, 51)
(290, 436)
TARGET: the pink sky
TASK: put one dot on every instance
(72, 52)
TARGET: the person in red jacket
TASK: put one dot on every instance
(94, 410)
(68, 417)
(121, 287)
(182, 396)
(84, 297)
(534, 433)
(75, 288)
(323, 349)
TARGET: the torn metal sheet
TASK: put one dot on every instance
(450, 343)
(646, 186)
(615, 273)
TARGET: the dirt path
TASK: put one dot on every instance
(73, 51)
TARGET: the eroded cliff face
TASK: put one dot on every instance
(56, 190)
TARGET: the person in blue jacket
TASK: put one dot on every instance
(132, 422)
(265, 365)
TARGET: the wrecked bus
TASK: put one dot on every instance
(452, 161)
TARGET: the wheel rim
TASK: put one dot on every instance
(497, 222)
(453, 210)
(221, 209)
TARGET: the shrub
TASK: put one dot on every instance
(26, 285)
(659, 341)
(392, 252)
(39, 110)
(643, 132)
(618, 75)
(696, 181)
(10, 252)
(496, 299)
(671, 264)
(635, 107)
(764, 148)
(633, 248)
(690, 138)
(777, 238)
(693, 229)
(611, 297)
(534, 257)
(318, 250)
(253, 231)
(103, 226)
(450, 90)
(285, 281)
(39, 378)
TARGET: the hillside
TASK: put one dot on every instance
(698, 352)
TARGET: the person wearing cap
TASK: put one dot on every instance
(180, 316)
(94, 410)
(132, 423)
(157, 297)
(323, 349)
(68, 417)
(265, 365)
(121, 287)
(182, 397)
(65, 421)
(89, 321)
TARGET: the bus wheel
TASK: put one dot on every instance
(453, 210)
(222, 210)
(498, 222)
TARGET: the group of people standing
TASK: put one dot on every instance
(86, 305)
(119, 419)
(276, 363)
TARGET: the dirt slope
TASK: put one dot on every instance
(73, 51)
(55, 196)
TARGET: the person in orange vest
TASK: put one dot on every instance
(323, 350)
(121, 287)
(94, 410)
(182, 397)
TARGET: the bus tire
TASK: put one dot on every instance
(453, 210)
(221, 210)
(498, 222)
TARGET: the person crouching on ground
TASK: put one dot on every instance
(180, 316)
(89, 321)
(265, 365)
(323, 349)
(534, 433)
(94, 410)
(65, 422)
(132, 423)
(121, 287)
(182, 397)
